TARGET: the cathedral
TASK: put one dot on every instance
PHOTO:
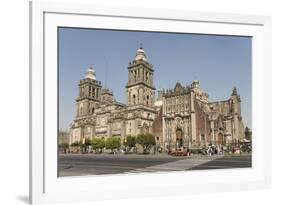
(181, 117)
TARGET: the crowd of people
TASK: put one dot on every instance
(212, 149)
(230, 149)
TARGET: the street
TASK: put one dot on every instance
(98, 164)
(226, 162)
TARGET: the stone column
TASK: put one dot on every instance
(141, 96)
(129, 97)
(141, 74)
(81, 133)
(123, 128)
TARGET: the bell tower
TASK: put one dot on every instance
(140, 88)
(235, 108)
(89, 94)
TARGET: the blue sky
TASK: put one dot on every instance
(218, 62)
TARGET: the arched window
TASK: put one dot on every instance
(134, 99)
(93, 92)
(90, 90)
(147, 76)
(147, 99)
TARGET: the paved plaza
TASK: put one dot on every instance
(98, 164)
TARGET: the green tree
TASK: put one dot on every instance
(87, 142)
(64, 146)
(112, 143)
(146, 141)
(76, 144)
(98, 144)
(130, 142)
(248, 133)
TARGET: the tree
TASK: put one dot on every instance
(98, 144)
(87, 142)
(76, 144)
(146, 141)
(112, 143)
(248, 133)
(64, 146)
(130, 142)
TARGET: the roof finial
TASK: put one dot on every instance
(140, 45)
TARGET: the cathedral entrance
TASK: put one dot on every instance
(221, 140)
(179, 140)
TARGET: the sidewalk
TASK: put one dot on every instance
(157, 155)
(132, 155)
(179, 165)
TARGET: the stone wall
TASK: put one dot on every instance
(157, 128)
(203, 126)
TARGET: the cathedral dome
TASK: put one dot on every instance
(140, 55)
(91, 74)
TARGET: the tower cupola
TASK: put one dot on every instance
(91, 74)
(140, 55)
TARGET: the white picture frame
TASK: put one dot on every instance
(46, 187)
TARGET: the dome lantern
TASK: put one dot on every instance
(91, 74)
(140, 55)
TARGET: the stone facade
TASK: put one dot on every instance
(64, 137)
(182, 117)
(190, 120)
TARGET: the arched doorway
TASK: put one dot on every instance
(221, 140)
(179, 138)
